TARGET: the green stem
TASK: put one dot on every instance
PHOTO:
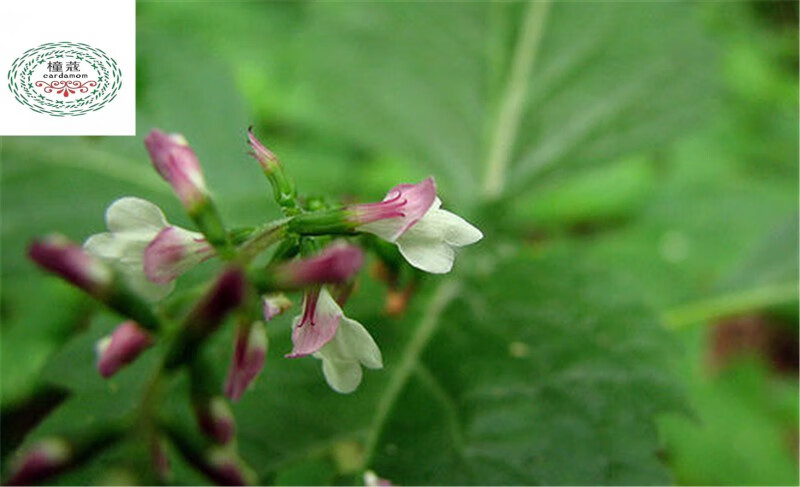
(513, 99)
(261, 240)
(730, 304)
(445, 293)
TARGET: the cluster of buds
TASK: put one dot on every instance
(136, 263)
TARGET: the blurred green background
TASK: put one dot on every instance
(630, 317)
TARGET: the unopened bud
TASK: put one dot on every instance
(282, 185)
(275, 304)
(225, 468)
(120, 348)
(44, 459)
(225, 296)
(58, 255)
(177, 163)
(249, 353)
(215, 418)
(336, 263)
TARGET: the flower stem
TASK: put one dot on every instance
(261, 240)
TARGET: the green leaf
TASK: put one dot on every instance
(490, 382)
(535, 375)
(490, 96)
(736, 435)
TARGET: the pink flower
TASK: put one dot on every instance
(343, 344)
(174, 251)
(60, 256)
(147, 250)
(411, 218)
(177, 163)
(336, 263)
(120, 348)
(400, 209)
(249, 353)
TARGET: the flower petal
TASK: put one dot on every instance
(454, 229)
(411, 201)
(310, 333)
(423, 246)
(146, 288)
(357, 344)
(343, 356)
(103, 245)
(343, 377)
(435, 257)
(130, 214)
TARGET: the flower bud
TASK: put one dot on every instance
(249, 353)
(58, 255)
(120, 348)
(225, 296)
(225, 468)
(275, 304)
(177, 163)
(282, 186)
(44, 459)
(336, 263)
(215, 418)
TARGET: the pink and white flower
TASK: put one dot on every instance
(343, 344)
(177, 163)
(410, 216)
(145, 248)
(249, 354)
(120, 348)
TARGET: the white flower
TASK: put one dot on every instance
(425, 241)
(134, 224)
(343, 344)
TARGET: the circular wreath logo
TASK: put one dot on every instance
(64, 79)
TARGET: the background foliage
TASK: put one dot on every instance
(630, 316)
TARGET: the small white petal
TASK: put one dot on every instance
(386, 228)
(134, 214)
(343, 377)
(149, 290)
(353, 337)
(104, 245)
(455, 230)
(431, 256)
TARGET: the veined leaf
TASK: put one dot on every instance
(491, 96)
